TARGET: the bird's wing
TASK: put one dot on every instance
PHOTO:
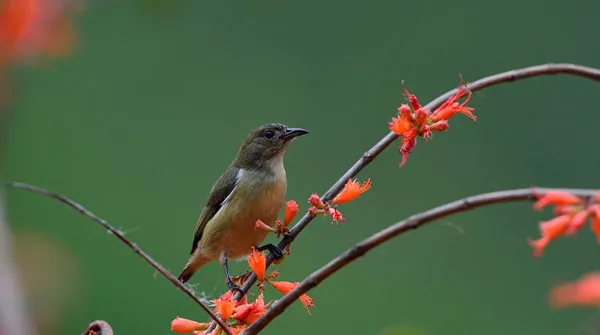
(219, 194)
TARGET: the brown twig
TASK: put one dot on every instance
(98, 327)
(388, 233)
(126, 241)
(366, 158)
(369, 155)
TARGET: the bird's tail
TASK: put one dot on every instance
(191, 267)
(187, 273)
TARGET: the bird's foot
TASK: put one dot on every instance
(233, 287)
(273, 249)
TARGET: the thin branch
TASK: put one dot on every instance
(98, 327)
(369, 155)
(366, 158)
(126, 241)
(388, 233)
(14, 318)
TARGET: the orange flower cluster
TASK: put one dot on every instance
(351, 191)
(239, 314)
(584, 292)
(571, 214)
(257, 262)
(415, 120)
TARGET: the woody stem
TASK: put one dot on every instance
(408, 224)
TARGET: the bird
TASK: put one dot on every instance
(253, 187)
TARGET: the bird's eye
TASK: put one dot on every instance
(269, 134)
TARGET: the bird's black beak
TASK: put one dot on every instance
(291, 133)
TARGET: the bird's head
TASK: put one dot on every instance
(265, 143)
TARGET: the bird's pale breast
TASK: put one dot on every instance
(258, 195)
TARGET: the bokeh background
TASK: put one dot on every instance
(149, 107)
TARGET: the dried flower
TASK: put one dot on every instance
(336, 216)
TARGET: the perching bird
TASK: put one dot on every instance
(252, 188)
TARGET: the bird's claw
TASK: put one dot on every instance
(234, 288)
(277, 252)
(273, 249)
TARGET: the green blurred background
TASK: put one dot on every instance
(141, 119)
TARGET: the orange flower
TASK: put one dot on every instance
(249, 313)
(596, 227)
(595, 214)
(184, 326)
(404, 122)
(291, 210)
(566, 209)
(351, 191)
(409, 142)
(405, 127)
(32, 27)
(224, 306)
(229, 295)
(414, 102)
(550, 230)
(237, 330)
(584, 292)
(451, 107)
(439, 126)
(555, 227)
(258, 263)
(285, 287)
(558, 198)
(420, 122)
(577, 221)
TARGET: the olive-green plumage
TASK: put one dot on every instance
(253, 187)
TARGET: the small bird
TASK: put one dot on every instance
(252, 188)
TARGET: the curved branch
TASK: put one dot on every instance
(413, 222)
(368, 156)
(126, 241)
